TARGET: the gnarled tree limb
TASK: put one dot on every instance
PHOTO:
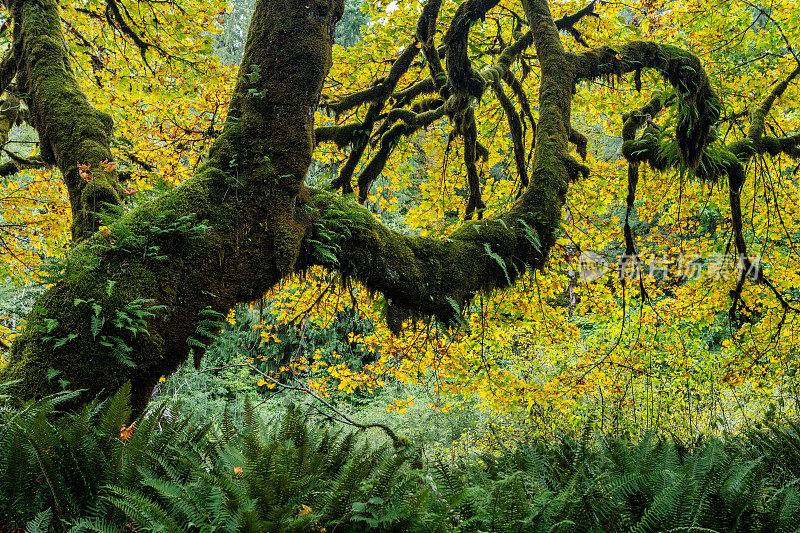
(71, 131)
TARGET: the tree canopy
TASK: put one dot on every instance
(514, 138)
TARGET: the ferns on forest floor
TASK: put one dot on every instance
(88, 471)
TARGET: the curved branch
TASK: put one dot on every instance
(426, 30)
(387, 87)
(421, 276)
(568, 22)
(522, 98)
(631, 122)
(341, 136)
(758, 116)
(411, 123)
(698, 104)
(426, 86)
(462, 77)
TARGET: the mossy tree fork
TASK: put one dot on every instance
(259, 219)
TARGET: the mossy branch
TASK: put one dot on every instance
(17, 164)
(456, 106)
(469, 128)
(759, 115)
(404, 97)
(70, 130)
(461, 76)
(421, 276)
(387, 87)
(381, 91)
(567, 23)
(631, 122)
(580, 141)
(522, 98)
(411, 122)
(716, 161)
(342, 136)
(515, 128)
(698, 104)
(426, 31)
(351, 101)
(116, 20)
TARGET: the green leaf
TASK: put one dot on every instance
(499, 260)
(97, 323)
(64, 340)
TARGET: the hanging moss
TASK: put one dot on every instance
(698, 104)
(342, 136)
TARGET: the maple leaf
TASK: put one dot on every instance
(126, 432)
(305, 510)
(83, 170)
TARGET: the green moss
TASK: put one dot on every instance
(743, 149)
(342, 136)
(770, 145)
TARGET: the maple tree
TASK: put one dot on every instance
(133, 291)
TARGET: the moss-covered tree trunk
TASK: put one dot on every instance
(225, 236)
(129, 300)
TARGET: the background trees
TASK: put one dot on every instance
(626, 343)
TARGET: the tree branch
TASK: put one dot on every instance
(698, 104)
(70, 130)
(387, 87)
(464, 80)
(515, 128)
(568, 22)
(758, 116)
